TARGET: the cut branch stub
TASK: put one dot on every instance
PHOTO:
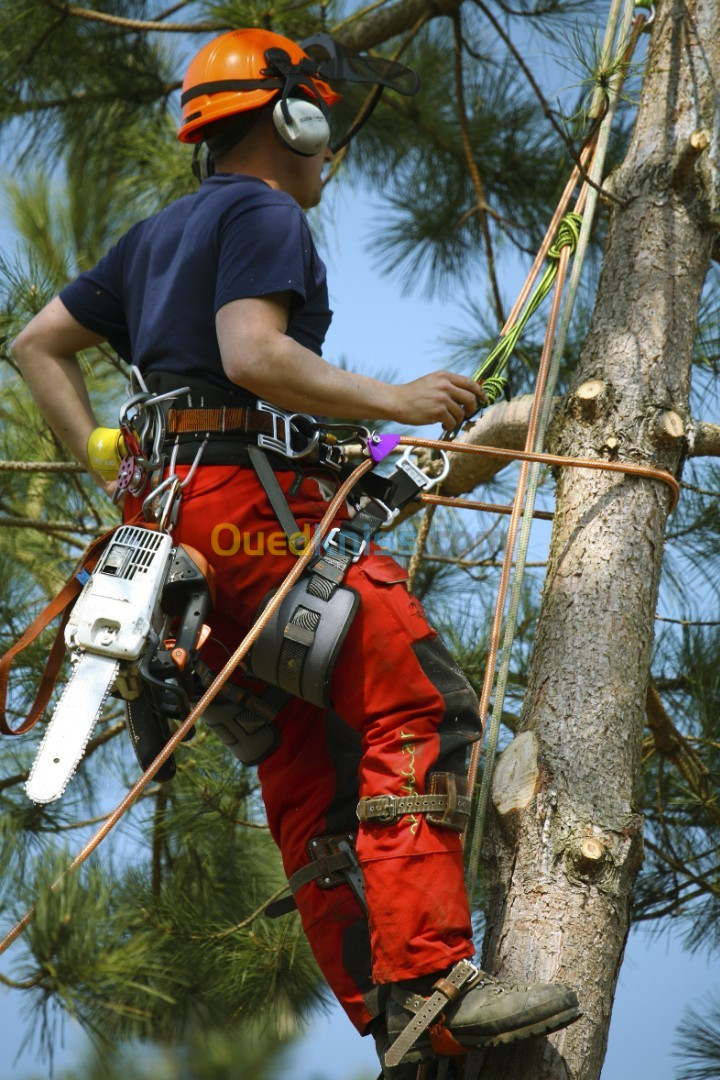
(589, 859)
(516, 780)
(585, 402)
(669, 427)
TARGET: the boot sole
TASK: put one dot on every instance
(418, 1055)
(540, 1027)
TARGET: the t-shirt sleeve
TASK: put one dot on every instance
(264, 249)
(94, 298)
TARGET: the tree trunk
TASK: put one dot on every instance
(566, 831)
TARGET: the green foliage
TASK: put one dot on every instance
(432, 233)
(699, 1043)
(123, 75)
(152, 942)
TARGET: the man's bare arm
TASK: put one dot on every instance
(258, 355)
(46, 354)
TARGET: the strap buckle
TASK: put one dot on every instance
(383, 808)
(342, 548)
(280, 442)
(459, 979)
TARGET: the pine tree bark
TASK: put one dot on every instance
(565, 842)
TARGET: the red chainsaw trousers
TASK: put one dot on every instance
(401, 709)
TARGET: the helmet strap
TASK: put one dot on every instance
(295, 78)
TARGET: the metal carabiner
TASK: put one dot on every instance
(165, 497)
(650, 19)
(152, 496)
(168, 505)
(419, 475)
(195, 462)
(355, 432)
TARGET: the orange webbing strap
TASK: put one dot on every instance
(443, 1042)
(60, 605)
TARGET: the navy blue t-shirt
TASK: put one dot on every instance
(155, 294)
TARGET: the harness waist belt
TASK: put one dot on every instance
(225, 418)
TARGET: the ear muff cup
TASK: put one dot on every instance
(302, 126)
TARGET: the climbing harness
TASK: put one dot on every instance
(298, 647)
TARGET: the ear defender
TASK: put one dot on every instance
(301, 125)
(202, 164)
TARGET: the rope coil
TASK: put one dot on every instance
(491, 371)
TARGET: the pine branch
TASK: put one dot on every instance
(135, 24)
(391, 21)
(50, 526)
(171, 10)
(705, 886)
(687, 622)
(704, 439)
(671, 744)
(68, 825)
(222, 934)
(549, 112)
(448, 146)
(473, 169)
(674, 906)
(42, 466)
(453, 560)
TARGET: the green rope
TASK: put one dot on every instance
(491, 370)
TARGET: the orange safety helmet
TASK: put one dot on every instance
(232, 74)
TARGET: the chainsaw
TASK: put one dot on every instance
(134, 630)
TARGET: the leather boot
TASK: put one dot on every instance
(485, 1012)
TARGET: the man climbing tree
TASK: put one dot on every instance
(222, 298)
